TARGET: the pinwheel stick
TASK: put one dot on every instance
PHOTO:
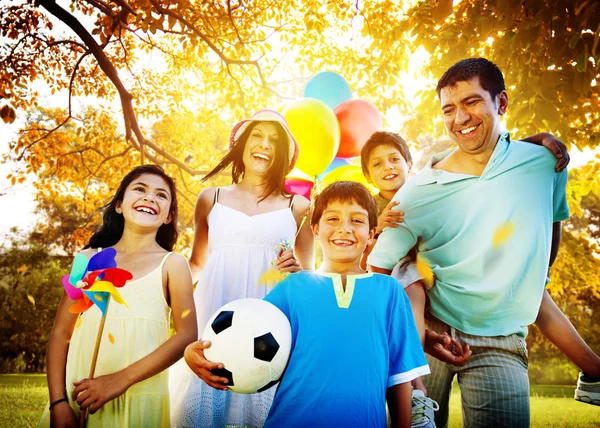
(84, 415)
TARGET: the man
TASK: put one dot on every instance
(486, 215)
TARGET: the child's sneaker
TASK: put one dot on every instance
(422, 410)
(588, 391)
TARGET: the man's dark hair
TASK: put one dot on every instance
(381, 138)
(345, 191)
(490, 76)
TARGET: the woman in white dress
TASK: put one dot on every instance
(236, 231)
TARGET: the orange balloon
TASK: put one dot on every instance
(358, 119)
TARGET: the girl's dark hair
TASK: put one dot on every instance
(113, 223)
(279, 168)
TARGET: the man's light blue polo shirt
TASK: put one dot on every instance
(487, 239)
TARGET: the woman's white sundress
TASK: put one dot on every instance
(241, 248)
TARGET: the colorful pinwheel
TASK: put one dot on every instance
(93, 281)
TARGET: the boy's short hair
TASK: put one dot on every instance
(345, 191)
(490, 76)
(381, 138)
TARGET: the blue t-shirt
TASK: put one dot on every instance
(348, 347)
(486, 238)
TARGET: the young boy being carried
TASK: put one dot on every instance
(354, 339)
(386, 160)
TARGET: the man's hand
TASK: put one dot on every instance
(389, 217)
(194, 357)
(446, 348)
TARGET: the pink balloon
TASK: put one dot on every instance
(297, 186)
(358, 119)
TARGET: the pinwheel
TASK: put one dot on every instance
(94, 282)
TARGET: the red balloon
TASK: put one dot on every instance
(358, 120)
(297, 186)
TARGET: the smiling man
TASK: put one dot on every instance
(484, 214)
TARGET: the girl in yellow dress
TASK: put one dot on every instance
(130, 386)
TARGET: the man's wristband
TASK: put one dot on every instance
(57, 402)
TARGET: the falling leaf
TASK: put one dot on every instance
(502, 234)
(111, 338)
(185, 313)
(272, 276)
(78, 323)
(22, 269)
(98, 297)
(425, 271)
(31, 299)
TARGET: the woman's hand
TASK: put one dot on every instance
(287, 262)
(194, 357)
(94, 393)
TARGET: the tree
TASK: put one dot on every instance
(184, 72)
(237, 50)
(29, 296)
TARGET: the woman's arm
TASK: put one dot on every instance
(199, 255)
(304, 247)
(98, 391)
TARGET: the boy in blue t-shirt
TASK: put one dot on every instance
(354, 339)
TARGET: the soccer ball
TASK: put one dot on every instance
(252, 338)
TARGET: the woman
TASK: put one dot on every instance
(237, 229)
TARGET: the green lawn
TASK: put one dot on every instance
(22, 398)
(551, 406)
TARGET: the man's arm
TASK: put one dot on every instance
(556, 232)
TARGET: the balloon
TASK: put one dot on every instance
(329, 87)
(336, 162)
(317, 132)
(297, 186)
(348, 173)
(296, 173)
(358, 120)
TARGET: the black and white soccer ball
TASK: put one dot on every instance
(253, 339)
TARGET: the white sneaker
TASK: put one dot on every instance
(587, 390)
(423, 409)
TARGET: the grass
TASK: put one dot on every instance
(551, 406)
(23, 397)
